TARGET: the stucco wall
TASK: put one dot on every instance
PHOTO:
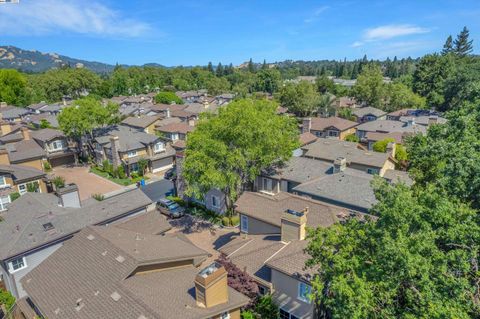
(258, 227)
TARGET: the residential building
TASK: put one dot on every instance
(329, 150)
(35, 108)
(271, 243)
(111, 272)
(13, 113)
(37, 224)
(389, 126)
(368, 113)
(59, 149)
(373, 137)
(22, 149)
(334, 127)
(143, 123)
(175, 131)
(121, 145)
(16, 179)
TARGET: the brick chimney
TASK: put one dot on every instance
(115, 146)
(211, 288)
(306, 124)
(294, 225)
(339, 165)
(25, 133)
(4, 159)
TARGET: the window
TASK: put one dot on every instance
(159, 147)
(318, 134)
(372, 171)
(22, 189)
(18, 264)
(333, 133)
(57, 145)
(244, 224)
(4, 201)
(262, 290)
(286, 315)
(225, 315)
(215, 201)
(267, 184)
(174, 136)
(3, 182)
(132, 154)
(304, 291)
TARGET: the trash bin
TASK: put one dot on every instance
(142, 182)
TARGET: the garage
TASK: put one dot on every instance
(68, 159)
(162, 164)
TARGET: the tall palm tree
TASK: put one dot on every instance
(326, 105)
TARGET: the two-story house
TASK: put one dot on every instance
(13, 114)
(127, 273)
(175, 131)
(145, 123)
(271, 243)
(333, 127)
(59, 150)
(16, 179)
(389, 126)
(121, 145)
(22, 149)
(37, 224)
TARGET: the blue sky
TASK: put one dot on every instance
(194, 32)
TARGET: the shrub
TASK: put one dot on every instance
(235, 220)
(58, 181)
(381, 146)
(121, 172)
(134, 175)
(98, 197)
(14, 196)
(352, 138)
(33, 187)
(6, 299)
(401, 153)
(247, 314)
(168, 98)
(266, 308)
(238, 279)
(107, 167)
(142, 166)
(47, 167)
(226, 221)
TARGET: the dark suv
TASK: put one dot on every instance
(170, 208)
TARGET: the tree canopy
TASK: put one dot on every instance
(418, 260)
(13, 87)
(301, 99)
(168, 98)
(227, 150)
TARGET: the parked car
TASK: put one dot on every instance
(170, 174)
(170, 208)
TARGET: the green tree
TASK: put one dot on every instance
(324, 85)
(13, 87)
(6, 299)
(266, 308)
(352, 138)
(251, 66)
(326, 105)
(418, 260)
(448, 46)
(370, 87)
(267, 81)
(168, 98)
(301, 98)
(227, 150)
(463, 46)
(381, 146)
(399, 96)
(401, 154)
(45, 124)
(346, 113)
(449, 155)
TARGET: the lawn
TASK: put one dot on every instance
(121, 181)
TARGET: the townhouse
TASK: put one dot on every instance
(334, 127)
(37, 224)
(389, 126)
(368, 113)
(145, 123)
(59, 150)
(127, 273)
(121, 145)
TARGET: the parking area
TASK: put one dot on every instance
(203, 234)
(88, 183)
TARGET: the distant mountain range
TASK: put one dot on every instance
(35, 61)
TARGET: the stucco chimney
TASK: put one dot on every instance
(5, 126)
(307, 125)
(339, 165)
(293, 225)
(391, 148)
(25, 133)
(4, 159)
(211, 287)
(115, 146)
(68, 196)
(191, 122)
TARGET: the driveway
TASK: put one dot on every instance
(88, 183)
(203, 234)
(158, 190)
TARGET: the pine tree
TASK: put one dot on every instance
(448, 46)
(210, 67)
(462, 45)
(264, 65)
(219, 70)
(251, 67)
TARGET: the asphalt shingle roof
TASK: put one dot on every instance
(368, 110)
(22, 173)
(24, 150)
(389, 126)
(129, 138)
(321, 123)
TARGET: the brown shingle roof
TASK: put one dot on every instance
(307, 138)
(321, 123)
(140, 121)
(152, 223)
(182, 128)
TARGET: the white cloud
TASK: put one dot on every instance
(392, 31)
(39, 17)
(357, 44)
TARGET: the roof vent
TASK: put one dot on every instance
(90, 237)
(115, 296)
(79, 304)
(104, 253)
(48, 226)
(120, 259)
(57, 311)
